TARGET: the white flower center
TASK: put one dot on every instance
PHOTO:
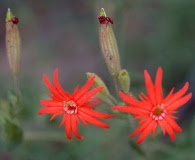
(70, 107)
(158, 113)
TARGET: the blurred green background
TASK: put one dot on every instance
(64, 35)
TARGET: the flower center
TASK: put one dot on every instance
(70, 107)
(158, 113)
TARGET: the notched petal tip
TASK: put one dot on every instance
(99, 89)
(159, 69)
(186, 85)
(56, 71)
(68, 137)
(173, 138)
(55, 74)
(118, 108)
(139, 141)
(47, 81)
(131, 136)
(44, 77)
(146, 73)
(92, 78)
(42, 102)
(121, 93)
(40, 112)
(110, 116)
(190, 95)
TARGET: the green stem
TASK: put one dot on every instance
(112, 99)
(133, 145)
(116, 83)
(16, 86)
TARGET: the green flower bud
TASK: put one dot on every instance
(13, 42)
(124, 80)
(108, 44)
(98, 82)
(104, 94)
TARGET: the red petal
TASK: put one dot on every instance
(56, 114)
(63, 122)
(50, 110)
(75, 91)
(144, 96)
(96, 114)
(51, 103)
(158, 86)
(177, 95)
(88, 95)
(175, 105)
(92, 120)
(169, 95)
(146, 131)
(51, 88)
(166, 128)
(173, 124)
(75, 127)
(144, 99)
(66, 95)
(150, 87)
(142, 127)
(130, 100)
(85, 88)
(54, 97)
(84, 121)
(68, 124)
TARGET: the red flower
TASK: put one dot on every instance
(73, 107)
(154, 109)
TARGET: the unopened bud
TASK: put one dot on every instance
(13, 42)
(108, 44)
(104, 94)
(124, 80)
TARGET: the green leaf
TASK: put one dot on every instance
(12, 134)
(2, 119)
(5, 109)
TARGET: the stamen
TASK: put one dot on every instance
(70, 107)
(163, 114)
(158, 113)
